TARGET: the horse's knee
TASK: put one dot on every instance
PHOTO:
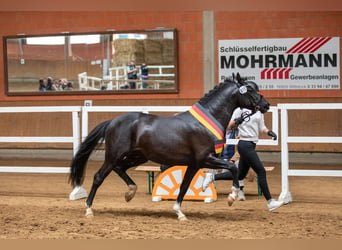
(98, 179)
(232, 168)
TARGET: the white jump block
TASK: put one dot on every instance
(78, 193)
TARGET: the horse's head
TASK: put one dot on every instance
(249, 96)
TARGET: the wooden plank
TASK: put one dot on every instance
(269, 168)
(157, 168)
(148, 168)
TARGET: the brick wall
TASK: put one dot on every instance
(188, 25)
(229, 25)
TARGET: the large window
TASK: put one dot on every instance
(92, 63)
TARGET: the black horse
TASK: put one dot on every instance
(193, 138)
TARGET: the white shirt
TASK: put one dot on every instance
(250, 128)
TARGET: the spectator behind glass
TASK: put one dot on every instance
(42, 85)
(132, 73)
(69, 86)
(49, 83)
(144, 75)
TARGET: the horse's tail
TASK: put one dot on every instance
(78, 164)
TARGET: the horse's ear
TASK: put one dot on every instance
(238, 78)
(241, 84)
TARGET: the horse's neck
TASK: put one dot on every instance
(221, 111)
(224, 116)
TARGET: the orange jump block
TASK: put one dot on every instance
(168, 183)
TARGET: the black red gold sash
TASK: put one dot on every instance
(208, 121)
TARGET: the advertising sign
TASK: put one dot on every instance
(286, 63)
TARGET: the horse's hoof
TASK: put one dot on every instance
(182, 218)
(231, 200)
(129, 195)
(89, 213)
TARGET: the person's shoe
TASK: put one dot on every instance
(208, 178)
(241, 196)
(273, 204)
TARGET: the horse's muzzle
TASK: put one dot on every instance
(264, 108)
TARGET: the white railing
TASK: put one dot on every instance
(74, 139)
(286, 139)
(118, 75)
(86, 82)
(85, 110)
(78, 192)
(160, 70)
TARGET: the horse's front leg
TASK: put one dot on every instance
(189, 175)
(216, 163)
(132, 187)
(235, 188)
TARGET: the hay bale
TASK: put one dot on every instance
(168, 52)
(126, 50)
(138, 57)
(125, 58)
(150, 51)
(152, 46)
(153, 50)
(153, 58)
(120, 59)
(127, 45)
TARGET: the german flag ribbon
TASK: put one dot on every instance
(208, 121)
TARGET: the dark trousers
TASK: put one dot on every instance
(249, 158)
(132, 85)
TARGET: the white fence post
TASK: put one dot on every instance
(84, 122)
(76, 131)
(285, 194)
(285, 139)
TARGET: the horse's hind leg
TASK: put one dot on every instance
(99, 177)
(132, 187)
(132, 159)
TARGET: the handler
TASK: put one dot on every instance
(249, 126)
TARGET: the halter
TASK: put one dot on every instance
(246, 116)
(208, 121)
(241, 84)
(243, 90)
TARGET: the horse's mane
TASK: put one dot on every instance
(214, 91)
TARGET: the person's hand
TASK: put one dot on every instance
(272, 134)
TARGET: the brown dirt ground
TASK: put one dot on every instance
(36, 206)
